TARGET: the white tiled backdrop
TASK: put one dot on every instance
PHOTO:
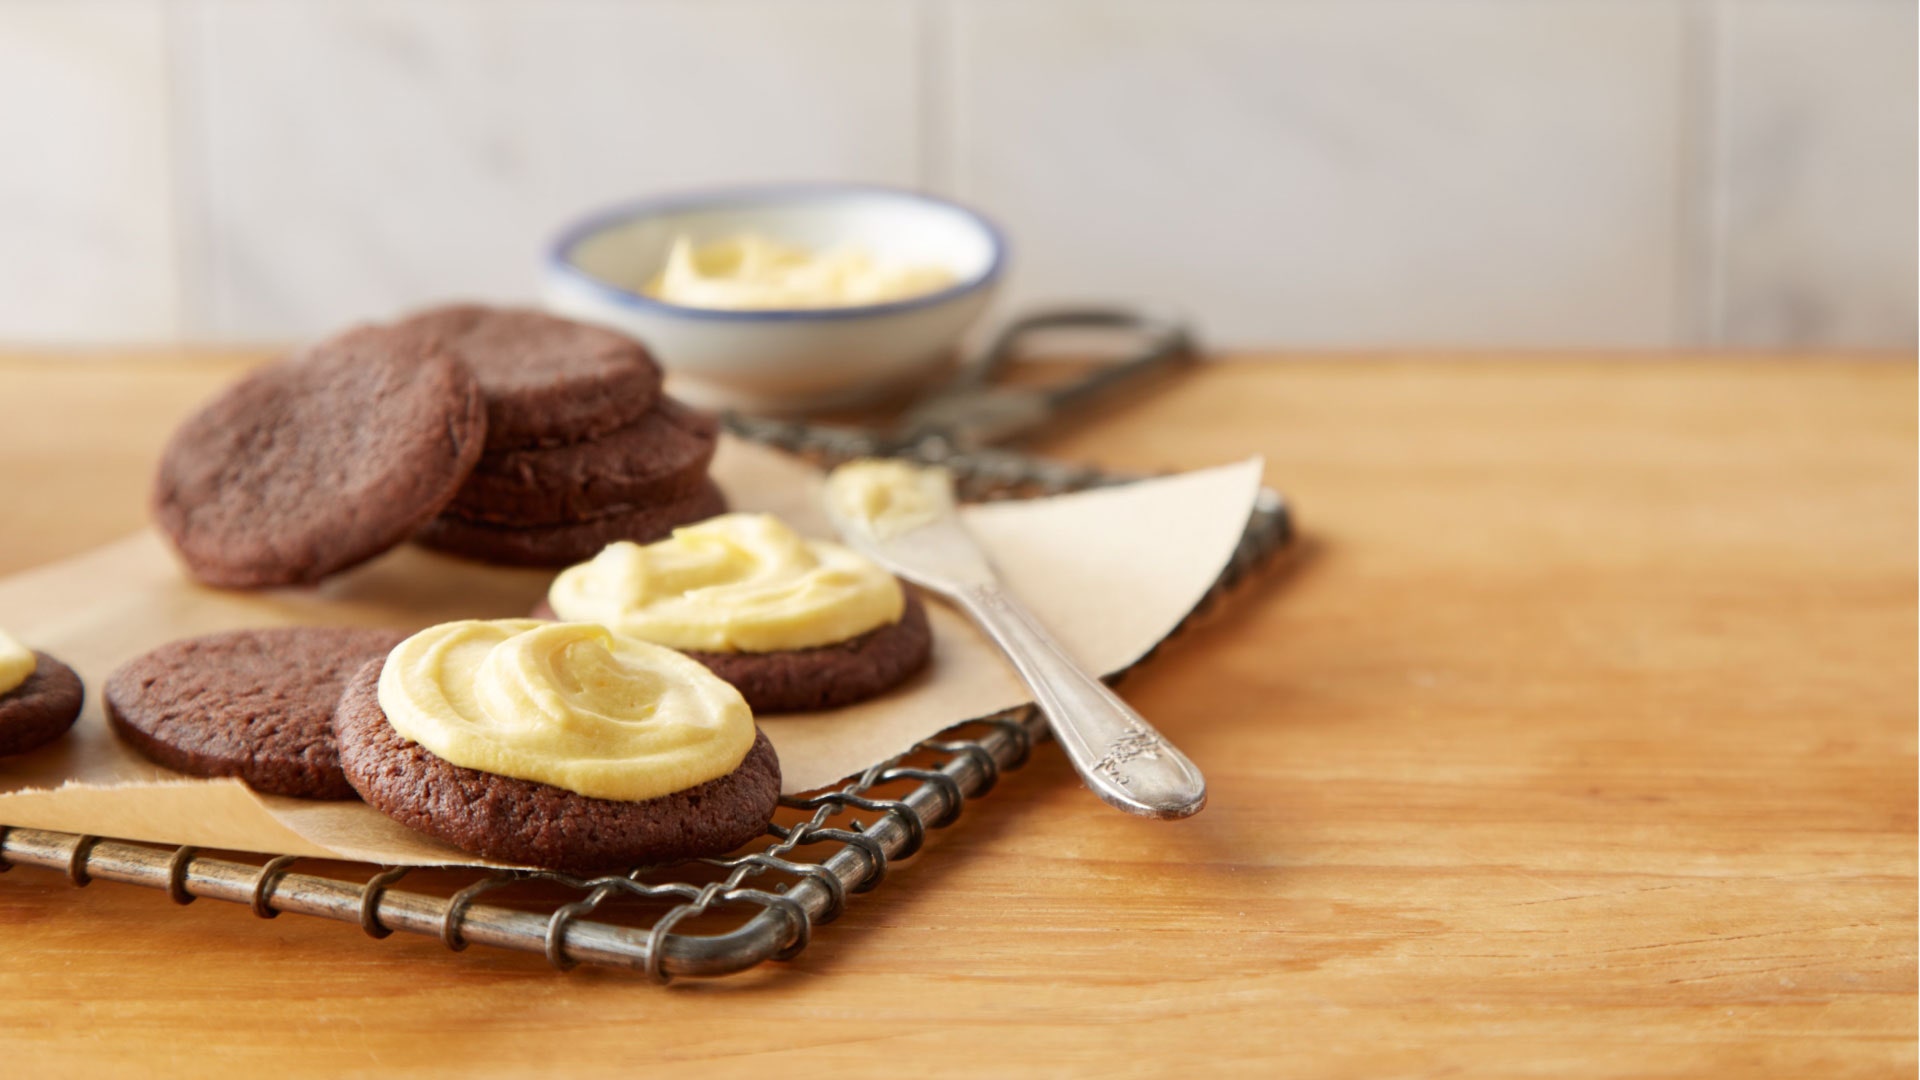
(1352, 173)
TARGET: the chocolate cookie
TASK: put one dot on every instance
(40, 709)
(572, 542)
(319, 461)
(256, 704)
(661, 457)
(825, 677)
(546, 380)
(524, 821)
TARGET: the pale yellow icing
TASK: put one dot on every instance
(575, 705)
(16, 663)
(886, 498)
(733, 583)
(752, 271)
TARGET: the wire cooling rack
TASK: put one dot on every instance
(703, 918)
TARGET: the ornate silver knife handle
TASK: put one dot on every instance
(1119, 755)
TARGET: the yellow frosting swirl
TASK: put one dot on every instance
(733, 583)
(887, 498)
(16, 663)
(752, 271)
(574, 705)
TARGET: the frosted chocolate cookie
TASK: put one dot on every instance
(829, 676)
(557, 745)
(825, 676)
(546, 380)
(662, 457)
(794, 623)
(255, 704)
(569, 542)
(319, 461)
(39, 697)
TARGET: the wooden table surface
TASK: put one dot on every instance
(1580, 742)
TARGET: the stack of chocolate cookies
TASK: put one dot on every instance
(499, 434)
(582, 447)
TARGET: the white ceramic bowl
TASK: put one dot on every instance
(781, 360)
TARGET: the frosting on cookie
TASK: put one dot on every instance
(887, 498)
(16, 663)
(575, 705)
(733, 583)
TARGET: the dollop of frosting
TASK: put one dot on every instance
(575, 705)
(17, 663)
(751, 271)
(886, 498)
(733, 583)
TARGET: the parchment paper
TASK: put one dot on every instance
(1111, 572)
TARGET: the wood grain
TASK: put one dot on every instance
(1580, 742)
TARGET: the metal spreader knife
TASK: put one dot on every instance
(903, 517)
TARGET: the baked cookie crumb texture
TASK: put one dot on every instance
(661, 457)
(546, 380)
(582, 447)
(829, 676)
(319, 461)
(565, 544)
(253, 704)
(42, 708)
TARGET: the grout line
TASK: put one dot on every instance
(1695, 176)
(191, 321)
(1708, 227)
(169, 178)
(933, 112)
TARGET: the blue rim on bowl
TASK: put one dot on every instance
(560, 254)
